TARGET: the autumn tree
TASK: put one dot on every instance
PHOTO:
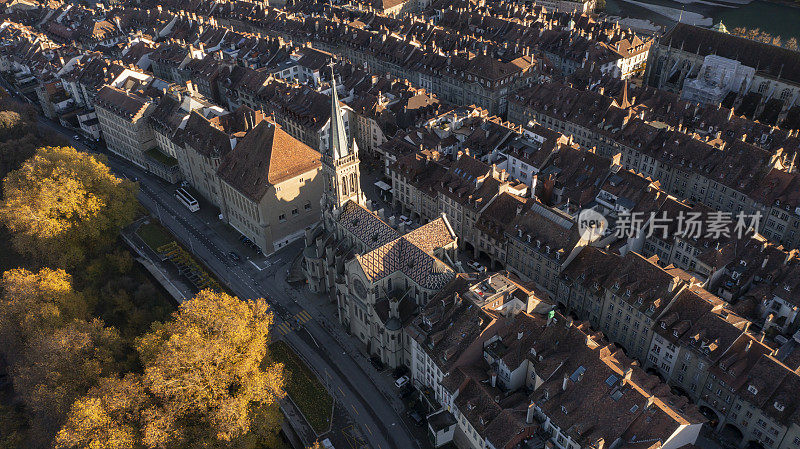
(207, 382)
(62, 206)
(54, 354)
(109, 417)
(34, 304)
(20, 135)
(59, 368)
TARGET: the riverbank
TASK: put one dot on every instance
(776, 17)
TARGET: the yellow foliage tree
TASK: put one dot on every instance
(60, 367)
(62, 205)
(35, 304)
(204, 368)
(109, 417)
(207, 383)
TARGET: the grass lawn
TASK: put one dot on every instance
(304, 387)
(154, 235)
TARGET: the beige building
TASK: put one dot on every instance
(270, 186)
(123, 122)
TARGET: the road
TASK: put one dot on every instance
(320, 340)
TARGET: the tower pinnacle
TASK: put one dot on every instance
(339, 144)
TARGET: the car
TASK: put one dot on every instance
(234, 256)
(416, 417)
(401, 381)
(477, 267)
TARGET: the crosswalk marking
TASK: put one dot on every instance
(283, 328)
(299, 319)
(302, 317)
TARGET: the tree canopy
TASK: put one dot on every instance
(62, 205)
(207, 382)
(19, 135)
(34, 304)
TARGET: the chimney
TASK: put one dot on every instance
(564, 383)
(650, 400)
(531, 410)
(568, 322)
(519, 335)
(494, 379)
(626, 377)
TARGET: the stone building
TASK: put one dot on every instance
(123, 120)
(270, 185)
(378, 275)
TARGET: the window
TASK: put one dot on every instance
(282, 218)
(295, 211)
(307, 206)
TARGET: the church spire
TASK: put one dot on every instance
(339, 146)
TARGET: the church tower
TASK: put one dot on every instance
(340, 162)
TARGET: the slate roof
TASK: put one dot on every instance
(366, 226)
(412, 255)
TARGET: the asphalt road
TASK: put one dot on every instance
(345, 379)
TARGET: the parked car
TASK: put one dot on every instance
(234, 256)
(416, 417)
(401, 381)
(476, 266)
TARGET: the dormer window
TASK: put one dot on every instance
(563, 409)
(663, 325)
(652, 308)
(752, 389)
(778, 406)
(628, 292)
(640, 301)
(675, 334)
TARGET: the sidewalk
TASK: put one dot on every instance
(326, 310)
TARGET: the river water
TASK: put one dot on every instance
(774, 18)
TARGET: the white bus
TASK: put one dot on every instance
(187, 200)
